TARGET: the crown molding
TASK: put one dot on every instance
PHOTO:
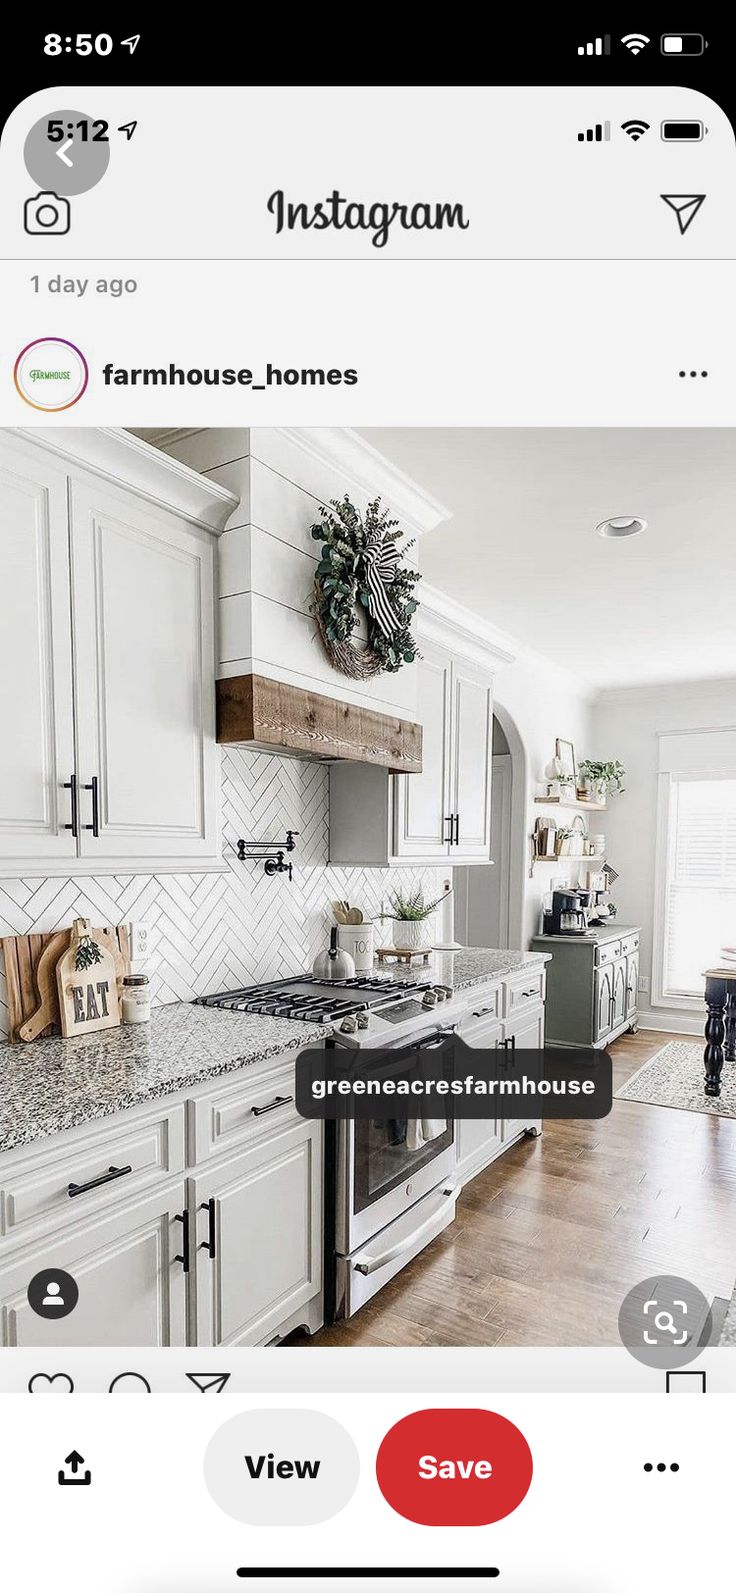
(124, 459)
(363, 467)
(440, 619)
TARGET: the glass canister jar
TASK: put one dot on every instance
(135, 998)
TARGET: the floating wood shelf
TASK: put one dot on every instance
(577, 804)
(595, 864)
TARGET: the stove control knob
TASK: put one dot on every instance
(348, 1026)
(363, 1020)
(430, 998)
(449, 992)
(440, 992)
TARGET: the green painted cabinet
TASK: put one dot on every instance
(592, 985)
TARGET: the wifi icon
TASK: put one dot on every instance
(635, 42)
(635, 129)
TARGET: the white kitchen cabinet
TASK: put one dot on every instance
(258, 1224)
(524, 1032)
(423, 815)
(35, 659)
(478, 1140)
(132, 1289)
(442, 814)
(107, 657)
(471, 763)
(143, 607)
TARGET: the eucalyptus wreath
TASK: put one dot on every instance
(360, 568)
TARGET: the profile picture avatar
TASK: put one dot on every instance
(51, 373)
(47, 212)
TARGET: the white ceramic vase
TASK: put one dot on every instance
(411, 934)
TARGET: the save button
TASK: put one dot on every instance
(454, 1468)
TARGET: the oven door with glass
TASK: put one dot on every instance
(385, 1168)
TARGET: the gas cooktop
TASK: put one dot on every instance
(316, 1001)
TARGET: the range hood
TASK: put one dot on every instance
(277, 689)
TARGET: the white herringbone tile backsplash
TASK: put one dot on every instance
(216, 931)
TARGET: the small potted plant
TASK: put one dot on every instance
(411, 914)
(600, 780)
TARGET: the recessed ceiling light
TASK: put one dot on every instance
(621, 525)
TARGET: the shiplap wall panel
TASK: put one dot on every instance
(216, 931)
(267, 561)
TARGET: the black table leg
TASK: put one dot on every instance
(716, 991)
(729, 1047)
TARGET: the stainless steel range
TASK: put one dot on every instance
(389, 1186)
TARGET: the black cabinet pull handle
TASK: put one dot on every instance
(95, 1183)
(457, 829)
(184, 1258)
(71, 785)
(209, 1244)
(278, 1100)
(448, 819)
(94, 786)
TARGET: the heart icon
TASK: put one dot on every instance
(55, 1383)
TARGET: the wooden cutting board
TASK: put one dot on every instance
(30, 974)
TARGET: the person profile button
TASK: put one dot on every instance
(53, 1294)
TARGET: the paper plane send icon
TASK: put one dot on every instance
(209, 1382)
(685, 206)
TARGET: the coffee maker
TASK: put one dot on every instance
(569, 913)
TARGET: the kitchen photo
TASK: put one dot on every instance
(360, 738)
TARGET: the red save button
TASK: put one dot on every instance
(454, 1468)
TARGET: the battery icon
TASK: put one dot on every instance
(683, 44)
(680, 132)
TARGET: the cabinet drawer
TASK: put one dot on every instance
(481, 1029)
(629, 944)
(85, 1171)
(261, 1102)
(486, 1005)
(526, 990)
(607, 953)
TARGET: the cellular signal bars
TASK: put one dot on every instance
(600, 134)
(601, 46)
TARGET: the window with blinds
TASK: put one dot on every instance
(700, 907)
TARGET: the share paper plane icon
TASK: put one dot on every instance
(685, 206)
(209, 1382)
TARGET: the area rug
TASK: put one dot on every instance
(674, 1077)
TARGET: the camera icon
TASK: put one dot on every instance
(47, 212)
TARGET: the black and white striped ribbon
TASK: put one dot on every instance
(379, 562)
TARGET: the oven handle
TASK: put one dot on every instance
(366, 1263)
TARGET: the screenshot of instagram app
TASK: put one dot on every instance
(367, 812)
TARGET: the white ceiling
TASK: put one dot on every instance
(521, 549)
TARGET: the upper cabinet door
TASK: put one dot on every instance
(472, 720)
(423, 800)
(142, 590)
(35, 659)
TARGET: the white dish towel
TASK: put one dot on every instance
(421, 1131)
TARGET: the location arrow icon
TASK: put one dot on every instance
(685, 206)
(209, 1382)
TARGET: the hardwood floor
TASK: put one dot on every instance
(551, 1236)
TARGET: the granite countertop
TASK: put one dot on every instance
(54, 1084)
(611, 931)
(472, 965)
